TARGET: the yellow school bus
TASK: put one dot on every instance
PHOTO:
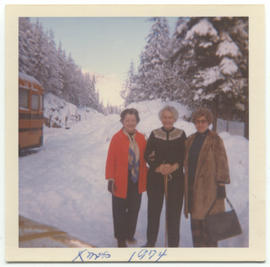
(30, 112)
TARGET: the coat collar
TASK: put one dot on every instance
(167, 131)
(127, 134)
(124, 134)
(202, 134)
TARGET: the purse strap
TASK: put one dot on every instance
(229, 202)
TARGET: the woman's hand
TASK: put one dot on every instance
(111, 186)
(161, 169)
(166, 169)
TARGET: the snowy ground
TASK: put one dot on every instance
(63, 185)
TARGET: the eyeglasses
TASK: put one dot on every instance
(201, 121)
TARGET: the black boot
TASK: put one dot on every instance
(121, 243)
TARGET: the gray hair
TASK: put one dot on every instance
(170, 109)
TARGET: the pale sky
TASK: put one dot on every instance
(104, 46)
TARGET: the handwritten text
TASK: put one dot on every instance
(148, 255)
(86, 255)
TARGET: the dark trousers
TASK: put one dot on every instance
(199, 236)
(155, 193)
(125, 212)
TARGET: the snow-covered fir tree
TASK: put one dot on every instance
(129, 92)
(26, 36)
(54, 83)
(151, 79)
(39, 58)
(213, 63)
(90, 89)
(61, 60)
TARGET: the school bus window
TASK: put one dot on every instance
(40, 103)
(23, 98)
(35, 102)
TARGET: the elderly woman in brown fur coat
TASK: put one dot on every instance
(206, 173)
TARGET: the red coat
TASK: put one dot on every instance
(117, 163)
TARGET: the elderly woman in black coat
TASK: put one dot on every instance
(164, 153)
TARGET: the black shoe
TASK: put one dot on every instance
(132, 240)
(121, 243)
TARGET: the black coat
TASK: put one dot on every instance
(165, 147)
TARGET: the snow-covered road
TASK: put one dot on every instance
(63, 185)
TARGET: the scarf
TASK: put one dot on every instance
(133, 157)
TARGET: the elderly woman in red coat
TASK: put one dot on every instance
(126, 173)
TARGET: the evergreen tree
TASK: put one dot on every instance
(61, 61)
(39, 58)
(213, 63)
(129, 91)
(25, 48)
(54, 83)
(151, 82)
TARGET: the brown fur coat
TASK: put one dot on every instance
(212, 168)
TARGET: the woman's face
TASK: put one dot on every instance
(167, 119)
(130, 123)
(201, 124)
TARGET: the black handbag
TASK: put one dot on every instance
(222, 225)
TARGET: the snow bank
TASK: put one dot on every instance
(64, 186)
(58, 112)
(149, 110)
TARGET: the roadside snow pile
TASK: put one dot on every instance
(63, 185)
(147, 108)
(59, 113)
(86, 113)
(148, 111)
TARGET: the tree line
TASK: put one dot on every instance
(40, 57)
